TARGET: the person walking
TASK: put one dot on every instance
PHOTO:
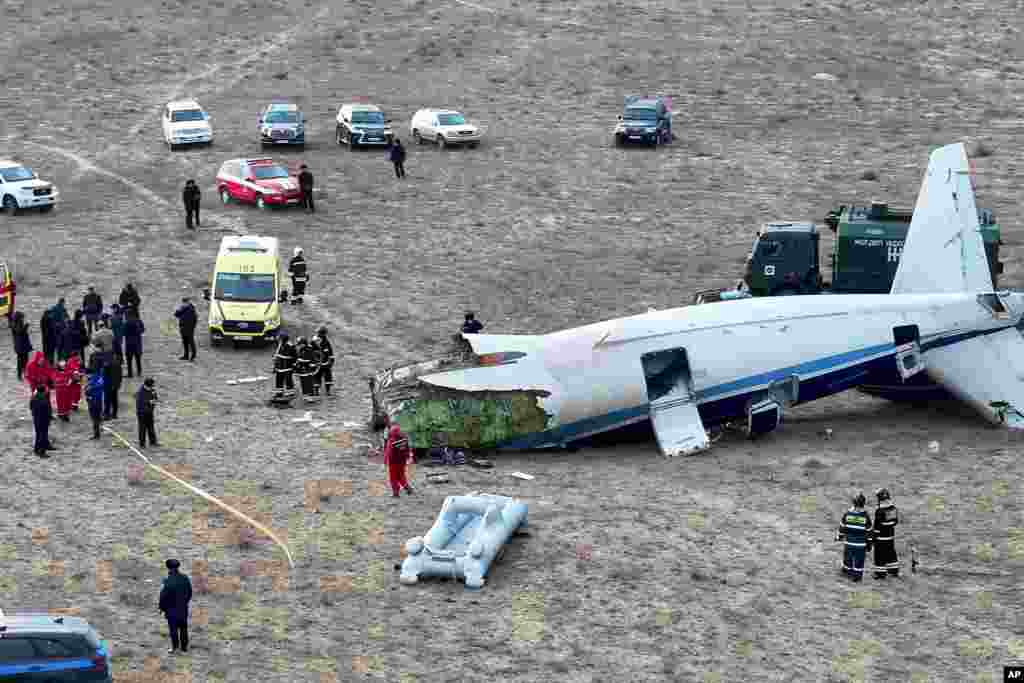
(92, 306)
(306, 185)
(396, 456)
(887, 563)
(129, 298)
(297, 271)
(94, 390)
(145, 410)
(117, 329)
(187, 320)
(397, 156)
(22, 341)
(853, 529)
(175, 594)
(112, 377)
(42, 414)
(191, 196)
(326, 361)
(285, 358)
(133, 331)
(47, 336)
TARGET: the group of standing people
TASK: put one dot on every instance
(312, 361)
(859, 534)
(56, 374)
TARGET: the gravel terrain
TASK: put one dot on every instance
(715, 568)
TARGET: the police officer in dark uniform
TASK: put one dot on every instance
(472, 325)
(284, 365)
(854, 529)
(306, 185)
(297, 271)
(190, 196)
(326, 360)
(884, 536)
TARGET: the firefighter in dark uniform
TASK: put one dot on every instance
(306, 185)
(304, 368)
(326, 361)
(884, 536)
(297, 271)
(284, 366)
(191, 196)
(316, 356)
(855, 531)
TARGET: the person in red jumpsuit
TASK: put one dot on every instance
(75, 368)
(64, 378)
(38, 372)
(396, 456)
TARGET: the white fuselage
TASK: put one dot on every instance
(734, 350)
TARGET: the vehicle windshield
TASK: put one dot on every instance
(16, 173)
(451, 119)
(244, 287)
(268, 172)
(641, 115)
(187, 115)
(367, 117)
(281, 117)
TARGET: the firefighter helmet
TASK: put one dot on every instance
(882, 494)
(859, 500)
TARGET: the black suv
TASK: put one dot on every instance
(41, 647)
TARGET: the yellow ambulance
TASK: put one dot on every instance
(6, 291)
(245, 297)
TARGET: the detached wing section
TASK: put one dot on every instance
(944, 251)
(986, 372)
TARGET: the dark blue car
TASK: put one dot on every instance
(41, 647)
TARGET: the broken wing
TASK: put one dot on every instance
(987, 372)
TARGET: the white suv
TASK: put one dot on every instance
(362, 124)
(185, 123)
(21, 188)
(445, 127)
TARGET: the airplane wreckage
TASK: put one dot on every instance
(693, 368)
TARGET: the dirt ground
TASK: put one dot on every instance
(719, 567)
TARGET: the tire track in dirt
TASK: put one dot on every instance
(550, 20)
(277, 42)
(84, 165)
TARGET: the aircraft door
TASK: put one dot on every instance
(909, 360)
(674, 416)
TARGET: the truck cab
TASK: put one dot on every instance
(784, 260)
(869, 243)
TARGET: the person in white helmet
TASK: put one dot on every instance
(297, 271)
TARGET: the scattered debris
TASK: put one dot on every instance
(481, 463)
(318, 425)
(438, 478)
(308, 417)
(521, 475)
(822, 76)
(247, 380)
(828, 434)
(353, 425)
(933, 447)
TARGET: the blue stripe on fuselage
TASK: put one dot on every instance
(716, 411)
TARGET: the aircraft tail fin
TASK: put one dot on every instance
(944, 251)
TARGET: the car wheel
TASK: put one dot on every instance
(351, 144)
(620, 141)
(225, 196)
(260, 204)
(416, 137)
(441, 144)
(10, 204)
(474, 145)
(214, 341)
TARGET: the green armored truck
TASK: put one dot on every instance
(869, 241)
